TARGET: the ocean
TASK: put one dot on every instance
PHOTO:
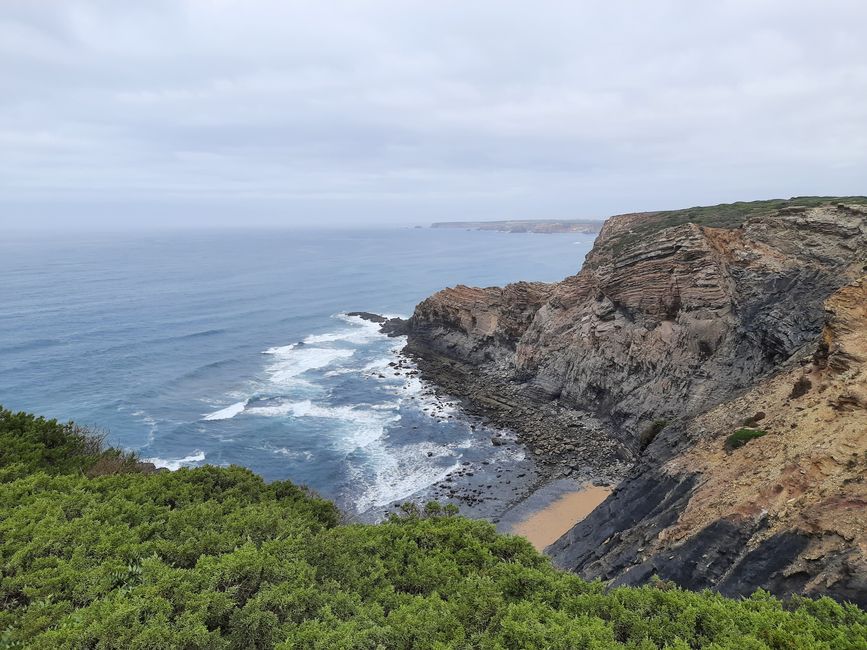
(233, 347)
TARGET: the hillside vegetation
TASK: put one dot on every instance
(99, 551)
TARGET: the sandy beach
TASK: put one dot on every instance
(549, 523)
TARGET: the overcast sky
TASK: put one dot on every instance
(222, 112)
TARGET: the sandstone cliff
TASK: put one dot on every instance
(685, 330)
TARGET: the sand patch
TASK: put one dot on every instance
(547, 525)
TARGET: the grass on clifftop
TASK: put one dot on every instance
(724, 215)
(215, 558)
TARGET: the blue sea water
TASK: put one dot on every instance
(230, 347)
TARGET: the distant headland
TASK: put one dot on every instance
(585, 226)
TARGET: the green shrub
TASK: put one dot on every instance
(742, 436)
(215, 558)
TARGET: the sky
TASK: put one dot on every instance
(190, 113)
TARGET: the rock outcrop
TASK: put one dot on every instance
(662, 328)
(669, 337)
(784, 512)
(464, 339)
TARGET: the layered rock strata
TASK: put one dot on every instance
(665, 328)
(652, 353)
(787, 511)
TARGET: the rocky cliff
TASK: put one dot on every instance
(671, 336)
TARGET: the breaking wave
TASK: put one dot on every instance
(367, 424)
(348, 396)
(228, 412)
(173, 464)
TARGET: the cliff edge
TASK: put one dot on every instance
(674, 333)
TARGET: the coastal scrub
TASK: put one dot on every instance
(216, 558)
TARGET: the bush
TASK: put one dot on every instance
(215, 558)
(742, 436)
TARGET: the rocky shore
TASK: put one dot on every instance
(497, 485)
(566, 443)
(635, 371)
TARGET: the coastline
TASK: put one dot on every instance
(534, 482)
(565, 442)
(482, 486)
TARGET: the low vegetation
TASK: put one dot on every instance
(742, 436)
(216, 558)
(725, 215)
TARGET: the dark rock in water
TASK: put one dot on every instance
(394, 327)
(368, 316)
(388, 326)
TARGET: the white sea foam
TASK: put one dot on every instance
(386, 473)
(379, 365)
(361, 332)
(280, 349)
(150, 422)
(290, 362)
(295, 361)
(296, 455)
(366, 424)
(389, 406)
(340, 371)
(227, 413)
(173, 464)
(422, 397)
(411, 389)
(401, 473)
(358, 336)
(399, 476)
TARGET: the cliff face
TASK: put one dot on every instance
(480, 326)
(655, 328)
(465, 340)
(690, 330)
(784, 512)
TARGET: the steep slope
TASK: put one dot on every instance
(662, 327)
(667, 321)
(785, 511)
(681, 321)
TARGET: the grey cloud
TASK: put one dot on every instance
(197, 112)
